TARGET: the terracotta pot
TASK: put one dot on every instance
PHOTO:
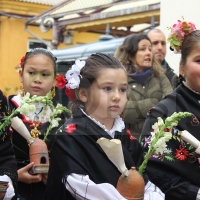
(132, 186)
(38, 154)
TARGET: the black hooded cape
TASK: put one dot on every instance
(77, 152)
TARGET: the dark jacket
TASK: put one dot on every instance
(8, 165)
(142, 98)
(177, 171)
(169, 73)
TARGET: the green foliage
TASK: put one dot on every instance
(190, 147)
(169, 158)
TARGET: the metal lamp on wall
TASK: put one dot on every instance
(68, 37)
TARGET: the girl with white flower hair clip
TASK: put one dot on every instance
(38, 77)
(79, 168)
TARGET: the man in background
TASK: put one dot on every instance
(158, 40)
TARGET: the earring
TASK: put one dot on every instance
(53, 93)
(21, 90)
(83, 99)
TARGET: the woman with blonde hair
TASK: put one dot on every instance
(147, 84)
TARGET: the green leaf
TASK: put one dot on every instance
(169, 158)
(190, 147)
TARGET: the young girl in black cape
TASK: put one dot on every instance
(79, 168)
(177, 171)
(8, 165)
(38, 76)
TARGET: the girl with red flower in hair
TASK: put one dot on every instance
(79, 168)
(37, 75)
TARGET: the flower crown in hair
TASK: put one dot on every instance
(71, 80)
(178, 33)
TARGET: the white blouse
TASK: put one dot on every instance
(10, 193)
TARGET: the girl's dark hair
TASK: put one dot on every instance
(129, 48)
(38, 51)
(90, 72)
(189, 43)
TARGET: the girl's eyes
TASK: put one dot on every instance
(198, 61)
(33, 73)
(123, 90)
(107, 88)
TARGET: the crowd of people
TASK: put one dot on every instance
(112, 98)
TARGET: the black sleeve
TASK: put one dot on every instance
(8, 165)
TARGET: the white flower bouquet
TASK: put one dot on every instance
(161, 135)
(27, 107)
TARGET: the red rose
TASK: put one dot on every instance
(22, 61)
(70, 128)
(70, 93)
(60, 81)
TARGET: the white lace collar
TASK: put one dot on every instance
(38, 112)
(118, 125)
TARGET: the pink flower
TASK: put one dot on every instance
(192, 26)
(178, 33)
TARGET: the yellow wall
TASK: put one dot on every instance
(14, 43)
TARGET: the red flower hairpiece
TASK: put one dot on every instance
(71, 94)
(178, 33)
(61, 83)
(22, 61)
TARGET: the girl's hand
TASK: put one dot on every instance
(44, 178)
(25, 177)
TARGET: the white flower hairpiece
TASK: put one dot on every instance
(73, 75)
